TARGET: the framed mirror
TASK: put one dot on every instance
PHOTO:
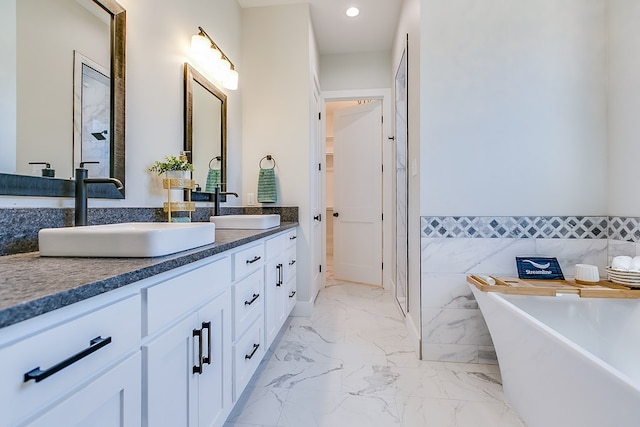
(205, 133)
(41, 43)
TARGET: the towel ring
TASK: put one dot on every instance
(218, 158)
(268, 157)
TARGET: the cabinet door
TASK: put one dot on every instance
(291, 294)
(171, 392)
(111, 400)
(274, 290)
(214, 383)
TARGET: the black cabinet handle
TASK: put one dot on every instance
(336, 214)
(318, 217)
(293, 293)
(94, 345)
(250, 355)
(197, 369)
(255, 297)
(207, 326)
(293, 261)
(279, 279)
(293, 237)
(256, 258)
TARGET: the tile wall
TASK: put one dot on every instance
(453, 328)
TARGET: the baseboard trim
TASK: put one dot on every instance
(414, 336)
(302, 309)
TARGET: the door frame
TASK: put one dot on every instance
(388, 251)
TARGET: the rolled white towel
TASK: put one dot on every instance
(635, 264)
(621, 263)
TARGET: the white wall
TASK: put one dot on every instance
(44, 131)
(158, 39)
(277, 84)
(409, 23)
(513, 107)
(351, 71)
(8, 86)
(624, 108)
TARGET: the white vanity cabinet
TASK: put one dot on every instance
(174, 349)
(290, 268)
(75, 366)
(248, 305)
(275, 288)
(187, 355)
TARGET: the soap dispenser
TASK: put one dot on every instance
(46, 171)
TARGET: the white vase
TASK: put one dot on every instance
(179, 174)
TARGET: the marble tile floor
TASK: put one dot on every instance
(351, 365)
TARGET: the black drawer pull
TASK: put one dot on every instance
(256, 258)
(207, 359)
(94, 345)
(255, 297)
(293, 261)
(197, 369)
(293, 237)
(250, 355)
(279, 280)
(293, 293)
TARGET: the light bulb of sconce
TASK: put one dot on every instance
(224, 66)
(231, 80)
(199, 47)
(213, 57)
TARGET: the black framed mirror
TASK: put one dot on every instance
(55, 91)
(205, 133)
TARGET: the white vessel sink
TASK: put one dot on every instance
(133, 239)
(251, 222)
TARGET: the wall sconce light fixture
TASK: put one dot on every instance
(207, 53)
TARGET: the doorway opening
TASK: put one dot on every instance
(354, 181)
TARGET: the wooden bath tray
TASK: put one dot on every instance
(510, 285)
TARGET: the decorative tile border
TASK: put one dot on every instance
(624, 228)
(527, 227)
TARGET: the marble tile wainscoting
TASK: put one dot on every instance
(19, 226)
(624, 237)
(453, 328)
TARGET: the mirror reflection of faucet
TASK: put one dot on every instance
(81, 193)
(216, 199)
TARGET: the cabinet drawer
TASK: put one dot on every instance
(276, 246)
(172, 298)
(291, 238)
(247, 261)
(111, 400)
(118, 327)
(292, 291)
(290, 266)
(247, 354)
(248, 302)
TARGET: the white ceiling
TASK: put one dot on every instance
(372, 30)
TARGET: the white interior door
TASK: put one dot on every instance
(358, 193)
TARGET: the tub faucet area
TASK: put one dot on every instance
(81, 192)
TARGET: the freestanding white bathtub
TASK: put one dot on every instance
(567, 361)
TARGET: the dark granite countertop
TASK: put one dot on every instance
(31, 285)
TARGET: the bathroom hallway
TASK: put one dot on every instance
(351, 365)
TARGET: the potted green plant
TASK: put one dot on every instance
(179, 165)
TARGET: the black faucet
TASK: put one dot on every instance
(216, 199)
(82, 181)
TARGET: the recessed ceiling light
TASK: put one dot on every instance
(352, 12)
